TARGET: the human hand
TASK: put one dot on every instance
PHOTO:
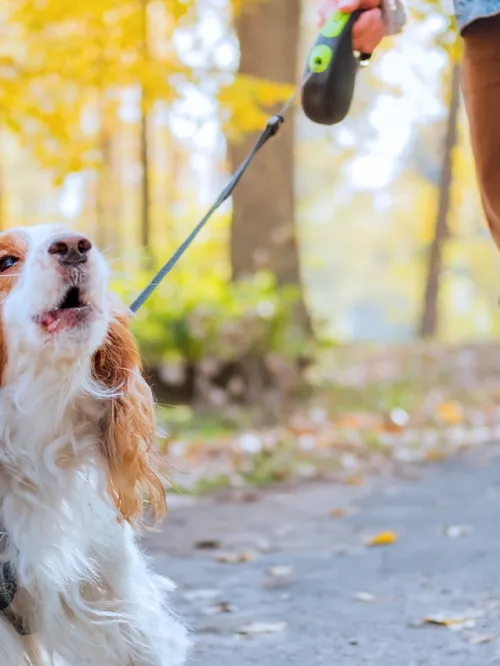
(368, 31)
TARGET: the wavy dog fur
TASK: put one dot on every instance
(77, 459)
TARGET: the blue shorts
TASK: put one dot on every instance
(468, 11)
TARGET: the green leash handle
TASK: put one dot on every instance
(331, 71)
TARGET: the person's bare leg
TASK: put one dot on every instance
(481, 87)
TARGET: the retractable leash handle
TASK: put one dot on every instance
(331, 70)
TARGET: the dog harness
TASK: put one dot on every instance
(8, 591)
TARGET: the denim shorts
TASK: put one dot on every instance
(468, 11)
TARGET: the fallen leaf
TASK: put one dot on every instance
(262, 628)
(366, 597)
(450, 412)
(452, 622)
(247, 497)
(207, 544)
(348, 422)
(396, 421)
(340, 512)
(382, 539)
(434, 455)
(235, 558)
(280, 571)
(250, 443)
(481, 639)
(220, 607)
(355, 480)
(400, 417)
(457, 531)
(276, 583)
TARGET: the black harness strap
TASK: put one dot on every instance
(8, 586)
(8, 591)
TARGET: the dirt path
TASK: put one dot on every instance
(323, 596)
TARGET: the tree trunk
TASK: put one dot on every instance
(430, 316)
(144, 145)
(3, 226)
(263, 234)
(104, 183)
(145, 197)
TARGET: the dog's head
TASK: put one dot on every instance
(59, 324)
(53, 289)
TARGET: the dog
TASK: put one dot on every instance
(78, 458)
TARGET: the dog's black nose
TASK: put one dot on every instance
(71, 250)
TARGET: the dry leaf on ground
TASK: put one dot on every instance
(481, 639)
(235, 558)
(280, 571)
(207, 544)
(354, 480)
(435, 455)
(220, 607)
(385, 538)
(450, 412)
(342, 512)
(450, 621)
(457, 531)
(262, 628)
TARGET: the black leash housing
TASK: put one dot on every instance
(331, 72)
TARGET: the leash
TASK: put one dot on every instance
(327, 88)
(272, 128)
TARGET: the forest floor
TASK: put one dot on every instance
(398, 570)
(380, 545)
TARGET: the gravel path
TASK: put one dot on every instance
(321, 595)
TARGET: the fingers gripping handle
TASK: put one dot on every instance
(331, 71)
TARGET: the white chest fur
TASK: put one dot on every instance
(93, 598)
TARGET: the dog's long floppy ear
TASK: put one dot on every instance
(129, 441)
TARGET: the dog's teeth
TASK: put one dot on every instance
(47, 319)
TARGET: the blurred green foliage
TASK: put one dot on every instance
(214, 319)
(203, 330)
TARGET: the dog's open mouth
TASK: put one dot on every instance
(72, 300)
(72, 311)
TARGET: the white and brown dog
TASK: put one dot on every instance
(77, 460)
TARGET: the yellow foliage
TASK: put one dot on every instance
(61, 61)
(250, 101)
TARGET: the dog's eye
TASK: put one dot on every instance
(7, 262)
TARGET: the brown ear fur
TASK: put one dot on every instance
(129, 442)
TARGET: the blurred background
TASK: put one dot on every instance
(341, 312)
